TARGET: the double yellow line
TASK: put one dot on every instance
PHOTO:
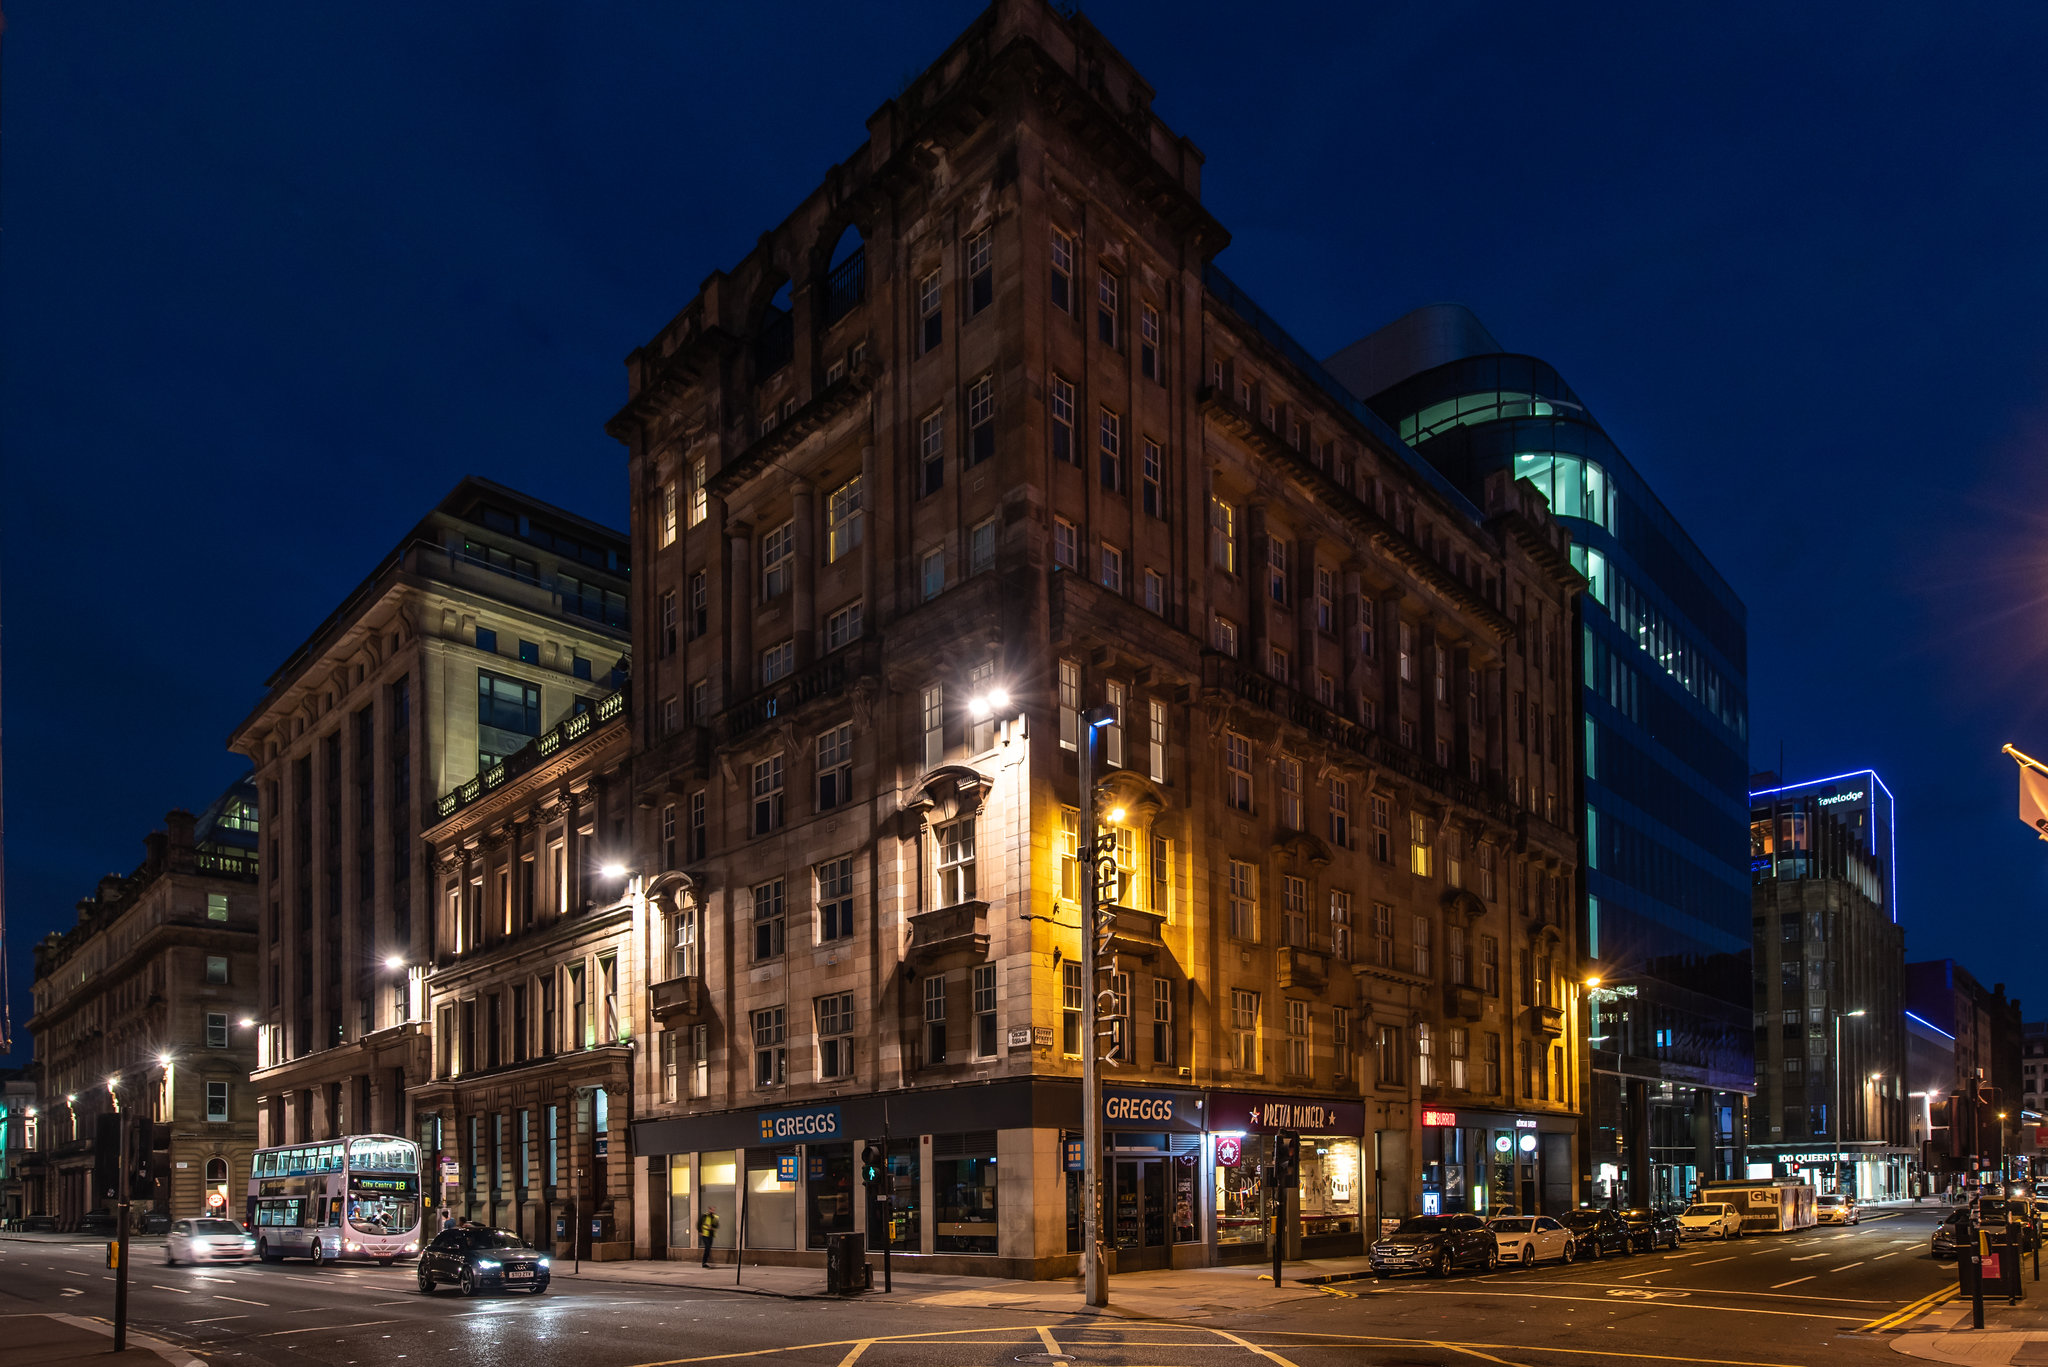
(1898, 1319)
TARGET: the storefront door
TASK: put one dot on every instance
(1141, 1232)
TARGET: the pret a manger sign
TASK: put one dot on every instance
(1264, 1114)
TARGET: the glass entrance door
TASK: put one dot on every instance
(1140, 1228)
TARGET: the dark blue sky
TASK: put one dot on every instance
(273, 277)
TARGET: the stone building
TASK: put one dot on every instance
(491, 620)
(1985, 1031)
(142, 1007)
(21, 1188)
(975, 440)
(535, 988)
(1830, 967)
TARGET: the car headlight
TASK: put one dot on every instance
(541, 1263)
(487, 1264)
(248, 1244)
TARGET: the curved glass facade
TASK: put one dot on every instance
(1663, 665)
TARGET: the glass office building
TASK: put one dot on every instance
(1663, 661)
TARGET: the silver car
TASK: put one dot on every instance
(208, 1241)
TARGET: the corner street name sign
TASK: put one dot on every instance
(815, 1122)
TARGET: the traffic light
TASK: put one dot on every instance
(871, 1165)
(1287, 1160)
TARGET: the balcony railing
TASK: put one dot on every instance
(567, 732)
(1223, 672)
(830, 675)
(846, 286)
(226, 865)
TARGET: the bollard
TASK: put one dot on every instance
(1977, 1281)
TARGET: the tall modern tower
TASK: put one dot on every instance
(1662, 660)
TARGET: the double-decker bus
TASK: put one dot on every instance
(354, 1199)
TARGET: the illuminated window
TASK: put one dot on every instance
(1244, 1030)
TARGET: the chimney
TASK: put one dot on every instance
(180, 824)
(153, 852)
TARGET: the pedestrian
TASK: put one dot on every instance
(707, 1230)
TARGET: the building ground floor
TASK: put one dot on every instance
(1652, 1141)
(991, 1178)
(1869, 1172)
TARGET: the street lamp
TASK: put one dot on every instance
(1094, 1281)
(1838, 1091)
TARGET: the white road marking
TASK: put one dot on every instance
(1846, 1266)
(1807, 1257)
(217, 1319)
(239, 1301)
(73, 1291)
(1711, 1261)
(1794, 1282)
(1882, 1256)
(322, 1329)
(180, 1290)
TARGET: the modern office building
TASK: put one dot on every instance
(1661, 658)
(975, 441)
(139, 1009)
(1833, 1080)
(493, 619)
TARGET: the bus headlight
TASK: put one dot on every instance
(353, 1246)
(412, 1248)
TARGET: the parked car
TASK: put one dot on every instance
(96, 1222)
(2020, 1210)
(1436, 1244)
(37, 1224)
(1950, 1235)
(1530, 1239)
(1651, 1228)
(207, 1241)
(153, 1222)
(479, 1258)
(1710, 1220)
(1835, 1208)
(1596, 1232)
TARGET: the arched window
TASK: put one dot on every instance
(216, 1172)
(775, 342)
(846, 281)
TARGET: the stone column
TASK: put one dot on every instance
(1257, 644)
(803, 598)
(739, 625)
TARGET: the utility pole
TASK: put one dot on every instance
(1094, 1278)
(125, 1175)
(1840, 1150)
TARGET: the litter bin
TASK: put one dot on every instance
(1999, 1268)
(846, 1266)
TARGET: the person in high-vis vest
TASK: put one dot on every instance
(707, 1230)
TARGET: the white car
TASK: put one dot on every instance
(1710, 1220)
(1530, 1239)
(1835, 1209)
(208, 1241)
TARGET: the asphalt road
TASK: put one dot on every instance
(1789, 1300)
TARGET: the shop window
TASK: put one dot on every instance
(906, 1195)
(718, 1193)
(964, 1190)
(828, 1191)
(1330, 1193)
(682, 1227)
(771, 1203)
(1241, 1193)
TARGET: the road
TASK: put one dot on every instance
(1788, 1300)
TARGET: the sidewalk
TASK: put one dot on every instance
(66, 1340)
(2012, 1334)
(1192, 1292)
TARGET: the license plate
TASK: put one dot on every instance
(518, 1276)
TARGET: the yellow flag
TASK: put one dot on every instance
(2034, 799)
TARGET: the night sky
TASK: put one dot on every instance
(274, 277)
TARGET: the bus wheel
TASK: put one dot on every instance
(263, 1251)
(319, 1253)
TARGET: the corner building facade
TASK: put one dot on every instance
(979, 439)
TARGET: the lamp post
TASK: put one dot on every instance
(1838, 1091)
(1094, 1279)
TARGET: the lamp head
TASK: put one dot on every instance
(164, 1059)
(248, 1020)
(612, 869)
(394, 962)
(1593, 980)
(1116, 816)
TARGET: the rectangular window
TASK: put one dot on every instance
(843, 628)
(835, 1037)
(1425, 1055)
(700, 841)
(956, 862)
(933, 712)
(1365, 641)
(700, 605)
(1223, 535)
(981, 546)
(843, 520)
(1297, 1038)
(1070, 703)
(1112, 568)
(1066, 544)
(982, 704)
(1340, 926)
(930, 330)
(1244, 901)
(932, 573)
(985, 1042)
(1244, 1030)
(778, 662)
(216, 968)
(1457, 965)
(668, 515)
(1326, 599)
(1112, 734)
(835, 766)
(1151, 479)
(981, 420)
(670, 1078)
(767, 793)
(1406, 637)
(1488, 888)
(1421, 959)
(1276, 569)
(1237, 770)
(931, 452)
(770, 1051)
(1062, 286)
(1063, 422)
(1280, 665)
(1340, 813)
(1155, 712)
(835, 899)
(934, 1019)
(1294, 911)
(700, 497)
(778, 562)
(1491, 1060)
(1070, 1008)
(1148, 343)
(216, 1103)
(981, 271)
(1109, 448)
(1421, 849)
(1390, 1062)
(507, 704)
(1223, 636)
(769, 920)
(700, 1060)
(1489, 965)
(1289, 770)
(1106, 291)
(683, 943)
(216, 1029)
(1455, 1045)
(1162, 1022)
(1340, 1042)
(1382, 838)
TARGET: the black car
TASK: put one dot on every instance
(96, 1222)
(1649, 1228)
(479, 1258)
(37, 1224)
(1598, 1232)
(1435, 1244)
(1950, 1235)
